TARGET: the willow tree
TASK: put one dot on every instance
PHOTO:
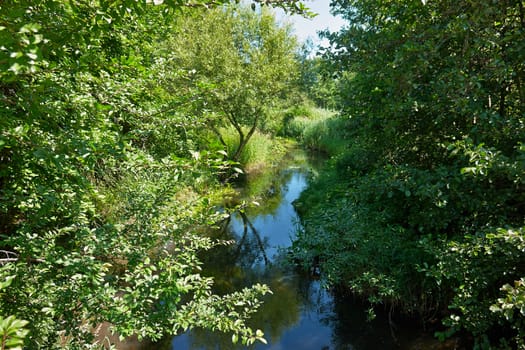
(239, 63)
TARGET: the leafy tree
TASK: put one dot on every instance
(237, 75)
(430, 190)
(315, 78)
(99, 220)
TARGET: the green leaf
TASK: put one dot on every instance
(16, 68)
(7, 282)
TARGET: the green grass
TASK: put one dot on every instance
(315, 128)
(262, 150)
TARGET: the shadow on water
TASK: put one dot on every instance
(300, 314)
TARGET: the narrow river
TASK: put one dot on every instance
(300, 314)
(297, 315)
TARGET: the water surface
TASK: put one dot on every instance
(300, 314)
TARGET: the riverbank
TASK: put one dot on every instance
(300, 313)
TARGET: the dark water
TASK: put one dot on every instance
(300, 314)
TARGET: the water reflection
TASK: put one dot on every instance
(261, 233)
(280, 312)
(300, 314)
(251, 246)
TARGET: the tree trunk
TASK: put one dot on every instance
(243, 139)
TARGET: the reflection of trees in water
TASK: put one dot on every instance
(231, 265)
(244, 263)
(315, 298)
(251, 248)
(270, 190)
(351, 327)
(278, 313)
(281, 310)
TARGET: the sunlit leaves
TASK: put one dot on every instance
(20, 51)
(237, 77)
(12, 333)
(512, 307)
(102, 207)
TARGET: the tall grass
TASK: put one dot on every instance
(261, 150)
(316, 128)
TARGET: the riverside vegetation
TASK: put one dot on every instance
(123, 124)
(422, 211)
(113, 157)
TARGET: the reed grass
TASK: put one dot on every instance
(262, 149)
(315, 128)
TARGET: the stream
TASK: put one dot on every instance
(300, 314)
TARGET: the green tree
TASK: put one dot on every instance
(99, 221)
(316, 79)
(239, 74)
(430, 190)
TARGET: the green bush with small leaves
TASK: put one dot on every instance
(106, 180)
(423, 207)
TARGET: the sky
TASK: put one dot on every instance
(305, 28)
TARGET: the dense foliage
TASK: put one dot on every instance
(424, 210)
(239, 75)
(106, 174)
